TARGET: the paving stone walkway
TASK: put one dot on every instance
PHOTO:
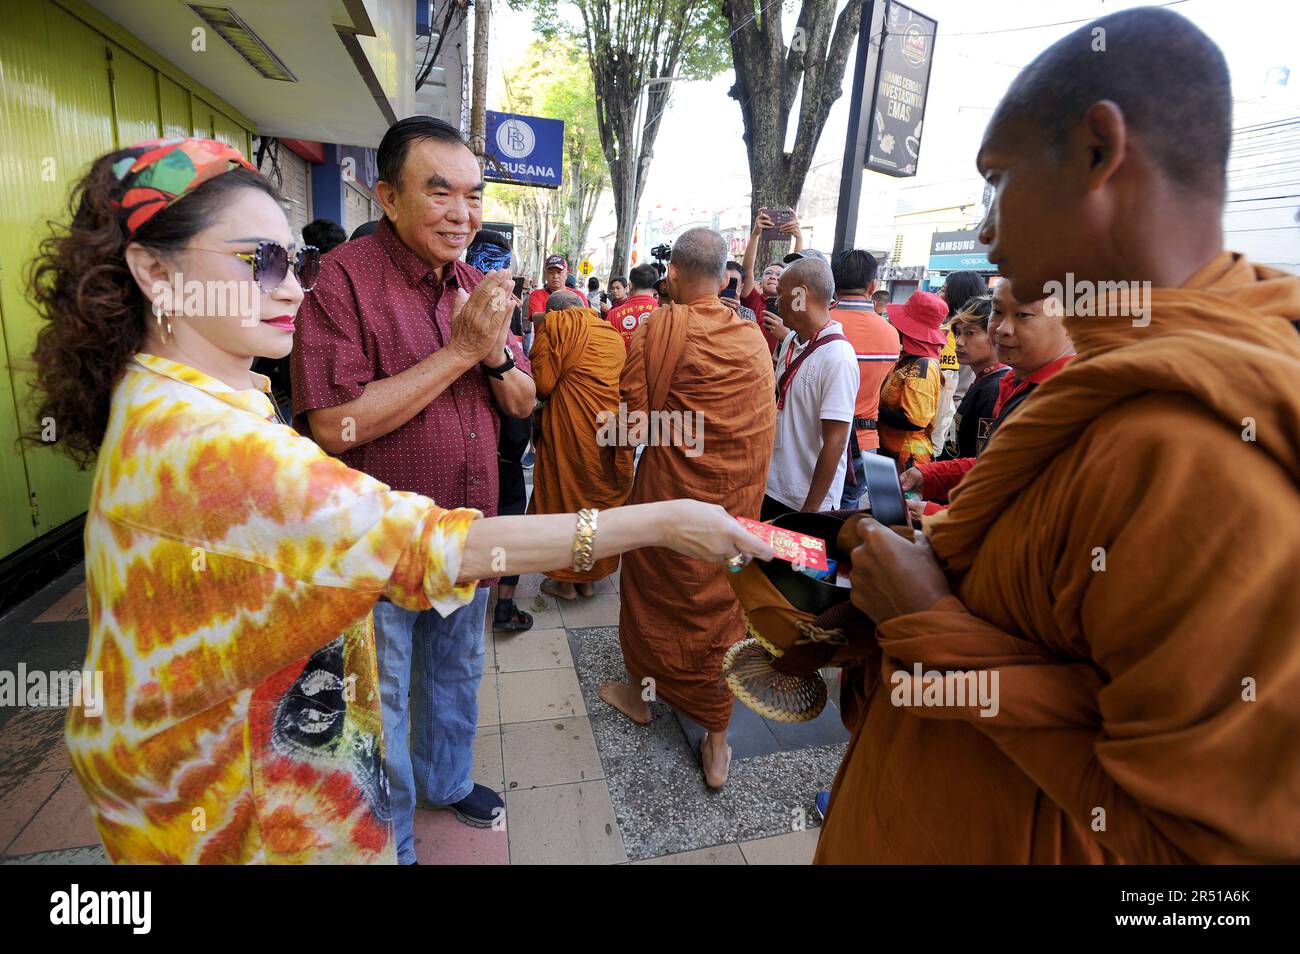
(582, 784)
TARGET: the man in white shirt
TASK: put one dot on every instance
(817, 388)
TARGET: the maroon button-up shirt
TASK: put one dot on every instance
(378, 309)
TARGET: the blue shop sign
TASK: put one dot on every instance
(958, 251)
(525, 150)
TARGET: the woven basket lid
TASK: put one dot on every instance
(748, 673)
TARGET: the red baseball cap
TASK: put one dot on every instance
(921, 317)
(557, 261)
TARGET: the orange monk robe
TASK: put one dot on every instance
(679, 616)
(1148, 705)
(577, 358)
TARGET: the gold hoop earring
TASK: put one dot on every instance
(164, 327)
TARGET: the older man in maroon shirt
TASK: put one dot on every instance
(401, 368)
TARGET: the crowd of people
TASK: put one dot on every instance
(290, 613)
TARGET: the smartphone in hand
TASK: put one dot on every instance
(731, 290)
(884, 495)
(779, 218)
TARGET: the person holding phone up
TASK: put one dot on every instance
(760, 295)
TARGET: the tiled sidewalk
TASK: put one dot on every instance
(535, 744)
(43, 814)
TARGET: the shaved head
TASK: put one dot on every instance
(1167, 77)
(814, 276)
(804, 295)
(563, 299)
(1107, 157)
(700, 254)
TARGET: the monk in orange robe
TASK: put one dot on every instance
(1113, 587)
(692, 363)
(577, 359)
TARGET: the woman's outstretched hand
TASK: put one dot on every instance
(707, 532)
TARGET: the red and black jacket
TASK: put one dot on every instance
(941, 476)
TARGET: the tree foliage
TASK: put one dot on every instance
(628, 43)
(552, 79)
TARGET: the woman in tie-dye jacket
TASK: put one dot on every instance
(231, 564)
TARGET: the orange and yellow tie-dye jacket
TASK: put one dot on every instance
(231, 567)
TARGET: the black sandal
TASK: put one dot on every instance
(516, 622)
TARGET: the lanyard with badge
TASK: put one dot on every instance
(791, 369)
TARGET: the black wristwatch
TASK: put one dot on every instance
(499, 372)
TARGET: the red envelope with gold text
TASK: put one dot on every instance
(797, 548)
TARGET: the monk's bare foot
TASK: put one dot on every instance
(715, 755)
(561, 591)
(586, 589)
(626, 700)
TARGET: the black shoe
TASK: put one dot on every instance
(480, 808)
(512, 620)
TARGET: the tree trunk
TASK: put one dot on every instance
(625, 49)
(579, 187)
(587, 212)
(580, 219)
(478, 104)
(620, 181)
(768, 77)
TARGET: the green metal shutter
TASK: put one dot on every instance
(135, 98)
(230, 132)
(201, 113)
(173, 108)
(60, 108)
(57, 110)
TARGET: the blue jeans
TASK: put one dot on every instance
(849, 499)
(436, 665)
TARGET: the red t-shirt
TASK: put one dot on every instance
(754, 302)
(537, 301)
(630, 314)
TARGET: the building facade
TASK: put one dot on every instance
(78, 79)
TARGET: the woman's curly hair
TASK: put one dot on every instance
(94, 310)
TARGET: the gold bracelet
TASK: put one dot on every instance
(583, 537)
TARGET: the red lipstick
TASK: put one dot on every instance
(283, 322)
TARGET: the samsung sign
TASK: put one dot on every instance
(958, 251)
(525, 150)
